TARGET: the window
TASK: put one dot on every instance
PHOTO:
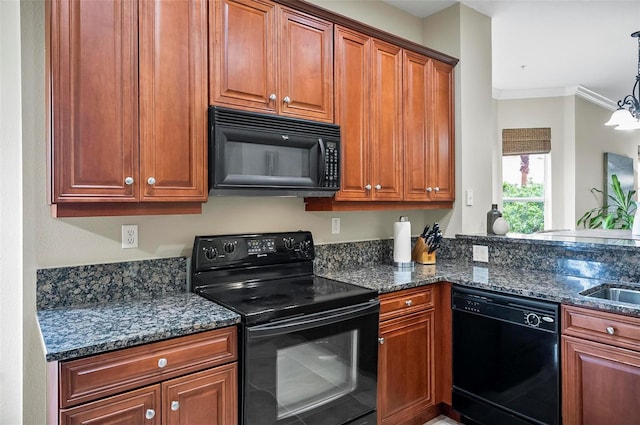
(524, 174)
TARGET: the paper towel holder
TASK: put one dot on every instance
(410, 265)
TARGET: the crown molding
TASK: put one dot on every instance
(581, 91)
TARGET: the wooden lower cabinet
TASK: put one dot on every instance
(414, 355)
(601, 383)
(600, 367)
(187, 380)
(406, 384)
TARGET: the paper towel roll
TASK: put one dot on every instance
(402, 242)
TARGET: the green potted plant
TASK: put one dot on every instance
(616, 212)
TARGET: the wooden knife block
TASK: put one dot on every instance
(420, 255)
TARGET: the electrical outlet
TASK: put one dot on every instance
(481, 253)
(469, 197)
(335, 226)
(129, 235)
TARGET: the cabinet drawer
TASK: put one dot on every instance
(97, 376)
(405, 302)
(608, 328)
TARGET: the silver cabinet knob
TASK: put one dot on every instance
(286, 100)
(272, 96)
(380, 341)
(437, 189)
(151, 181)
(128, 181)
(409, 303)
(429, 189)
(175, 405)
(150, 413)
(610, 330)
(162, 362)
(378, 187)
(368, 187)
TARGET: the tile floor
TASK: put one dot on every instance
(442, 420)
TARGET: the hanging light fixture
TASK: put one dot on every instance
(627, 116)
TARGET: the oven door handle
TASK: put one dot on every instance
(301, 323)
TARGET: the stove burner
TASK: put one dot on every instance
(267, 300)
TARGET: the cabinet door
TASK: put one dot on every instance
(203, 398)
(243, 47)
(418, 111)
(352, 61)
(601, 383)
(139, 407)
(305, 66)
(386, 122)
(442, 158)
(94, 100)
(173, 100)
(406, 383)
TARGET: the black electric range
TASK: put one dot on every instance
(308, 345)
(267, 276)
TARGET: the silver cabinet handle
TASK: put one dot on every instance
(610, 330)
(175, 405)
(368, 187)
(128, 181)
(286, 100)
(162, 362)
(429, 189)
(437, 189)
(380, 341)
(272, 96)
(378, 187)
(151, 181)
(409, 303)
(150, 413)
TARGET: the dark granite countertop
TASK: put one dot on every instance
(77, 331)
(529, 283)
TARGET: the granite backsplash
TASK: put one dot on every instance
(94, 284)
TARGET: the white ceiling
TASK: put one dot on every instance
(562, 44)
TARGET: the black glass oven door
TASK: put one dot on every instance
(241, 157)
(315, 369)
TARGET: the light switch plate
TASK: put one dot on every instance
(335, 226)
(481, 253)
(469, 197)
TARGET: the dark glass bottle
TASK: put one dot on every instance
(492, 215)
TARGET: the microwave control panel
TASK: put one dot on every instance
(332, 165)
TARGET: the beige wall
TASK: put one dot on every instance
(592, 140)
(11, 288)
(578, 141)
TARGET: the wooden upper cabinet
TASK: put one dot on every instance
(352, 70)
(428, 129)
(128, 103)
(173, 100)
(243, 47)
(93, 48)
(386, 122)
(369, 112)
(269, 58)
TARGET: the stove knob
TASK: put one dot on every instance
(229, 247)
(532, 319)
(289, 243)
(304, 247)
(211, 253)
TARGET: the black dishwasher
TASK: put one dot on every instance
(505, 358)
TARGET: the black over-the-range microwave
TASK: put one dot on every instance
(268, 155)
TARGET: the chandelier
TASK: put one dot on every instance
(627, 116)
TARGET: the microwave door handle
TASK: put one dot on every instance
(323, 161)
(313, 320)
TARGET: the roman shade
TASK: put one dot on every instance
(524, 141)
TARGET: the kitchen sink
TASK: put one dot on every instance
(620, 294)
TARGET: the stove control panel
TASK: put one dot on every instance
(210, 252)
